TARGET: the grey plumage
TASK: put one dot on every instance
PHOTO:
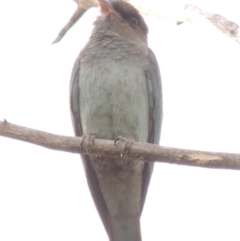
(115, 90)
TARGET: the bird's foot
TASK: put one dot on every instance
(88, 140)
(127, 146)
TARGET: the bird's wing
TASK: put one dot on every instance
(74, 98)
(155, 119)
(154, 78)
(89, 170)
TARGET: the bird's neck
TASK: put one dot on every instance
(102, 34)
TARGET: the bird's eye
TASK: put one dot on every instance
(134, 21)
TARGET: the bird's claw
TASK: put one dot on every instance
(126, 147)
(88, 140)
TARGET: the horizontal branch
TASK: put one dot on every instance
(140, 151)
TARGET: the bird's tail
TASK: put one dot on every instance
(121, 232)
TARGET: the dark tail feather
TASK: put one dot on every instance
(122, 232)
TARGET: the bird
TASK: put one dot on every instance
(116, 90)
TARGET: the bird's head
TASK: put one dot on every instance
(120, 18)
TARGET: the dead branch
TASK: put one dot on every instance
(83, 6)
(190, 13)
(197, 15)
(140, 151)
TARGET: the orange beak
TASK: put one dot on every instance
(105, 6)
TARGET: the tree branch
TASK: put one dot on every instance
(189, 14)
(83, 6)
(197, 15)
(140, 151)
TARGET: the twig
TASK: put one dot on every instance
(83, 6)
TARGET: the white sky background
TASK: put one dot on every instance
(43, 193)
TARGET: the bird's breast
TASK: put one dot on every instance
(114, 102)
(114, 95)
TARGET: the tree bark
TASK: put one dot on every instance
(141, 151)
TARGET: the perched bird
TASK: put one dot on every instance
(115, 90)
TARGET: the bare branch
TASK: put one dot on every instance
(77, 15)
(197, 15)
(140, 151)
(83, 6)
(189, 14)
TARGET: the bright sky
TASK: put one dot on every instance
(43, 193)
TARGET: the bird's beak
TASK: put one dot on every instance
(105, 6)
